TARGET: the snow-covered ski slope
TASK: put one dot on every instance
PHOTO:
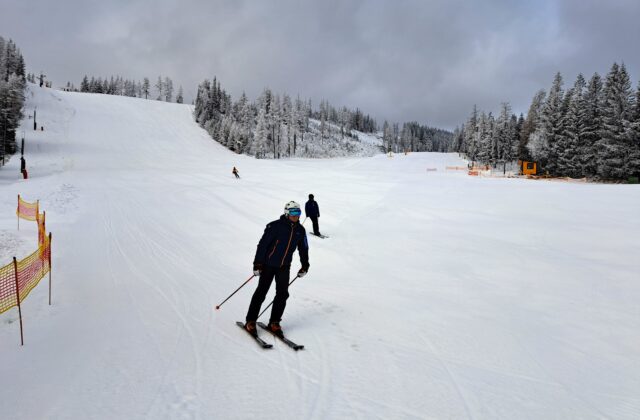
(437, 295)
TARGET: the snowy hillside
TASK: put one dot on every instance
(333, 144)
(437, 295)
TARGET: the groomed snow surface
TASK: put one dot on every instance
(437, 295)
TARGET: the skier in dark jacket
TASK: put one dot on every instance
(312, 211)
(235, 172)
(273, 259)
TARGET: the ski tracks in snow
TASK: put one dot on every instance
(454, 382)
(152, 253)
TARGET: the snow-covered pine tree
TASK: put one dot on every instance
(12, 87)
(634, 158)
(302, 123)
(168, 89)
(133, 89)
(285, 121)
(396, 138)
(458, 135)
(569, 161)
(84, 86)
(274, 124)
(594, 102)
(202, 96)
(492, 134)
(482, 141)
(212, 102)
(119, 86)
(3, 61)
(323, 120)
(470, 135)
(9, 53)
(246, 119)
(261, 139)
(505, 134)
(159, 88)
(180, 97)
(614, 146)
(543, 145)
(111, 86)
(386, 136)
(531, 124)
(518, 136)
(406, 137)
(146, 88)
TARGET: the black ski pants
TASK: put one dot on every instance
(267, 275)
(316, 228)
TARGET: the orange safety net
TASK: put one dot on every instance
(27, 211)
(30, 271)
(7, 288)
(42, 234)
(481, 168)
(33, 268)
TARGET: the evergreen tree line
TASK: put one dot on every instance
(415, 138)
(344, 117)
(489, 140)
(12, 88)
(162, 90)
(276, 126)
(590, 130)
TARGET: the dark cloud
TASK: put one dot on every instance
(401, 60)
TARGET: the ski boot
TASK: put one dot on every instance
(275, 328)
(250, 326)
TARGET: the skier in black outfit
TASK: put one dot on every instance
(235, 172)
(273, 259)
(312, 211)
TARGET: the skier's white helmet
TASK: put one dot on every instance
(292, 209)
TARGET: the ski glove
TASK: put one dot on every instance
(303, 271)
(257, 269)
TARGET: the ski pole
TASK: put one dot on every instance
(305, 219)
(218, 306)
(265, 309)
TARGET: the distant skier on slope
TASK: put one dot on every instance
(273, 259)
(312, 211)
(235, 172)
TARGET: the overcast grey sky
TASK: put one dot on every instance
(428, 61)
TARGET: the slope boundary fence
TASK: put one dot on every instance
(20, 277)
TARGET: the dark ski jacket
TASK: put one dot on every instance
(279, 241)
(311, 209)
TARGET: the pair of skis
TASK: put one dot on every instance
(266, 345)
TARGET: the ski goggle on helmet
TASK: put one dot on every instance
(292, 209)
